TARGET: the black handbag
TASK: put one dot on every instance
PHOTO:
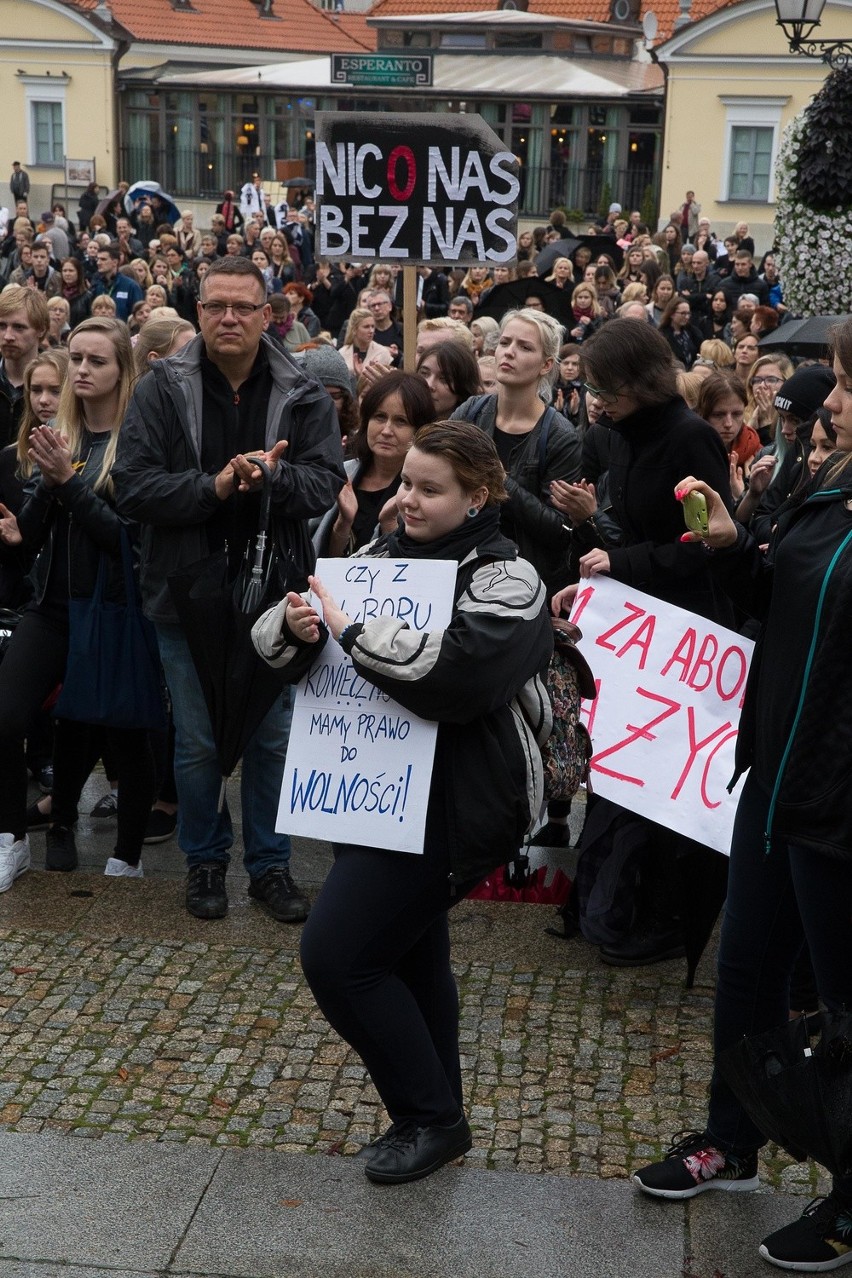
(113, 676)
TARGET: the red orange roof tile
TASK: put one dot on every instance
(295, 26)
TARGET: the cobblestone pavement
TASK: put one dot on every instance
(112, 1020)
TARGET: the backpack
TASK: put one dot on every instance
(567, 752)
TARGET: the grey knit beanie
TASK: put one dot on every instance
(328, 367)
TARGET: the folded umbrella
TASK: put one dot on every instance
(799, 1096)
(217, 612)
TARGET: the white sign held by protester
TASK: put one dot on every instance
(665, 722)
(359, 765)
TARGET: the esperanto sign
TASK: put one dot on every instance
(387, 70)
(423, 189)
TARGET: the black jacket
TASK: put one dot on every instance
(735, 285)
(93, 527)
(159, 481)
(436, 295)
(480, 680)
(793, 727)
(651, 450)
(11, 407)
(528, 518)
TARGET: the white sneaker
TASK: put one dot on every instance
(14, 859)
(120, 869)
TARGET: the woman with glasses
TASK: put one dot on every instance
(767, 375)
(653, 437)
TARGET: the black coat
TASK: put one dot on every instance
(159, 481)
(735, 285)
(793, 727)
(651, 451)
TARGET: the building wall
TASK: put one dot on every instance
(65, 60)
(733, 70)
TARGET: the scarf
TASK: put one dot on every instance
(457, 545)
(228, 214)
(583, 312)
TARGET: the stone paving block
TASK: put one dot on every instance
(95, 1203)
(725, 1230)
(37, 1269)
(265, 1216)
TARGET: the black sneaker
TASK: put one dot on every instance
(206, 897)
(693, 1164)
(276, 890)
(61, 851)
(642, 948)
(45, 778)
(36, 819)
(106, 808)
(412, 1152)
(821, 1239)
(161, 826)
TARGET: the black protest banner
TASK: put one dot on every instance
(414, 189)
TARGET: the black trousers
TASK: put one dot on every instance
(376, 954)
(32, 667)
(77, 748)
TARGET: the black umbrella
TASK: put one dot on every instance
(217, 613)
(799, 1096)
(545, 258)
(505, 297)
(105, 203)
(306, 182)
(810, 336)
(567, 247)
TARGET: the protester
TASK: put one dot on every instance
(535, 443)
(451, 372)
(24, 322)
(392, 411)
(376, 949)
(791, 871)
(359, 350)
(178, 474)
(70, 513)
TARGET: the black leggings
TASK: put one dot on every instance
(76, 750)
(32, 667)
(376, 954)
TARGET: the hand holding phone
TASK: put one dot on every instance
(695, 513)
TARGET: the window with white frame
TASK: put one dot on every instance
(45, 116)
(752, 135)
(48, 146)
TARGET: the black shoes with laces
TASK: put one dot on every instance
(820, 1240)
(206, 897)
(407, 1152)
(693, 1164)
(278, 893)
(61, 849)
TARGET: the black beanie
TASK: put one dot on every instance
(804, 392)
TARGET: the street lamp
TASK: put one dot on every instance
(797, 19)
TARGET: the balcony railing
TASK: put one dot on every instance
(189, 174)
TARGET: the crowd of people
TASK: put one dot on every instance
(157, 376)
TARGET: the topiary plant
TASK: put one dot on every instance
(824, 177)
(648, 208)
(813, 212)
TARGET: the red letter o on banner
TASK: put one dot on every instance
(401, 153)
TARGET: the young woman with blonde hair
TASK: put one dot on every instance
(70, 523)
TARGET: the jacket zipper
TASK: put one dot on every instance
(773, 802)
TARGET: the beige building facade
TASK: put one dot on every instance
(57, 91)
(732, 88)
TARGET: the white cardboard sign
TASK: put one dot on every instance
(359, 765)
(665, 722)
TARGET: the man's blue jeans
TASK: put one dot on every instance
(203, 833)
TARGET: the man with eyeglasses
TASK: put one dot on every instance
(185, 471)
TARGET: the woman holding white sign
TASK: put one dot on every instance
(376, 946)
(791, 863)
